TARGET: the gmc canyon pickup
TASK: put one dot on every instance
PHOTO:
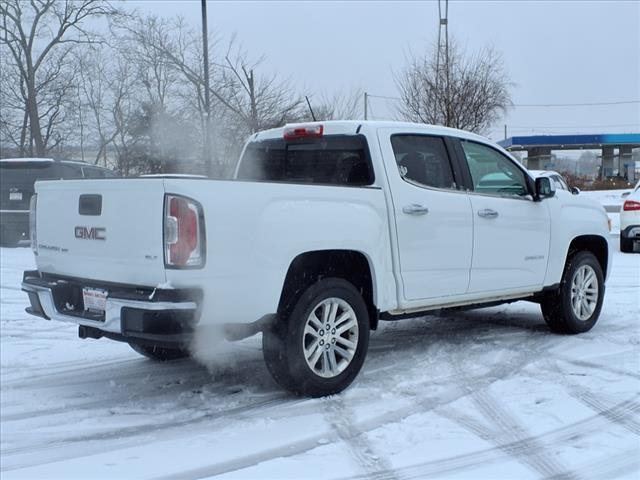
(325, 229)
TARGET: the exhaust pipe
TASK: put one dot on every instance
(235, 332)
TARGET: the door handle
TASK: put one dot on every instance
(487, 213)
(415, 209)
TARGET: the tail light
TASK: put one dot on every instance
(32, 223)
(184, 237)
(630, 206)
(302, 131)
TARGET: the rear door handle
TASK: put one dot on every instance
(415, 209)
(487, 213)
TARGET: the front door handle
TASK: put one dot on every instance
(415, 209)
(487, 213)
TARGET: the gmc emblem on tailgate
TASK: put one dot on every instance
(91, 233)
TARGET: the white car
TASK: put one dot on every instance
(558, 180)
(326, 229)
(630, 221)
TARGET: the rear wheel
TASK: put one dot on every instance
(575, 306)
(320, 347)
(161, 354)
(626, 244)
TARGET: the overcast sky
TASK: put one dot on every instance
(554, 52)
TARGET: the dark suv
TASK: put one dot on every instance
(17, 178)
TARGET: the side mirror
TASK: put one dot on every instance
(545, 188)
(574, 190)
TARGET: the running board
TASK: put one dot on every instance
(452, 306)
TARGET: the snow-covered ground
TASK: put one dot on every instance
(489, 393)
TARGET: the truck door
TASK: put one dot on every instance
(433, 215)
(511, 233)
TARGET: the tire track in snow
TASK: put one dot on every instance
(429, 404)
(420, 404)
(52, 376)
(598, 366)
(596, 405)
(339, 415)
(556, 437)
(94, 405)
(506, 430)
(612, 466)
(592, 401)
(129, 433)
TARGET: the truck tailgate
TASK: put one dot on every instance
(109, 229)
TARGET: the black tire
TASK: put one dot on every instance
(557, 306)
(160, 354)
(283, 343)
(626, 244)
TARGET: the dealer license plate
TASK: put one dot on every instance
(95, 299)
(15, 195)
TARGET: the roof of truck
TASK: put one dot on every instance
(346, 127)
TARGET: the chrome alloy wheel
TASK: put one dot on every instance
(584, 292)
(330, 337)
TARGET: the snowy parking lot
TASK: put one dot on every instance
(489, 393)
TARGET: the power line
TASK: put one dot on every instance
(586, 104)
(557, 127)
(591, 104)
(383, 96)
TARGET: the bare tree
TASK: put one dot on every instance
(244, 98)
(39, 36)
(106, 93)
(469, 93)
(339, 106)
(261, 100)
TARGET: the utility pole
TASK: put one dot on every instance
(207, 101)
(443, 51)
(505, 131)
(366, 102)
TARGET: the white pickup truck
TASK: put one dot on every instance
(325, 229)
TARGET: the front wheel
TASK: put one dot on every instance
(575, 306)
(320, 347)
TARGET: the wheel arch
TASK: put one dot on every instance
(309, 267)
(594, 244)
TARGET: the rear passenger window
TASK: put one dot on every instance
(330, 160)
(423, 160)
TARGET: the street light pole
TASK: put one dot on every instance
(207, 104)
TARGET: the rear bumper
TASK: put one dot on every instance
(132, 314)
(15, 221)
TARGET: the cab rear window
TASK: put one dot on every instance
(330, 160)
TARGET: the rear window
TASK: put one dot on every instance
(330, 160)
(17, 173)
